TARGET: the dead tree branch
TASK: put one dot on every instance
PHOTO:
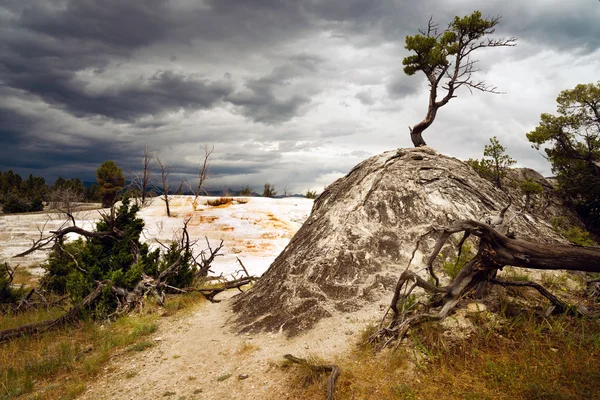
(37, 328)
(210, 293)
(205, 262)
(165, 171)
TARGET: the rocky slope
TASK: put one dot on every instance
(362, 229)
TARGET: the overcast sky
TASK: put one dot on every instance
(294, 92)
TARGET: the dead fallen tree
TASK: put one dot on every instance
(37, 328)
(114, 272)
(496, 250)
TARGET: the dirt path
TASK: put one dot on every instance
(194, 354)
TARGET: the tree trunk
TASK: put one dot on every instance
(416, 135)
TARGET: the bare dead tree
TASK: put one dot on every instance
(179, 190)
(495, 251)
(165, 171)
(203, 265)
(65, 200)
(141, 181)
(202, 175)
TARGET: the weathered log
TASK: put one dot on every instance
(37, 328)
(495, 251)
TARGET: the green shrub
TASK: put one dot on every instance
(246, 191)
(311, 194)
(574, 234)
(8, 294)
(483, 168)
(75, 268)
(453, 266)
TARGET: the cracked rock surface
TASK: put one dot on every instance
(362, 230)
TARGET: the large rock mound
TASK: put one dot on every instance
(362, 230)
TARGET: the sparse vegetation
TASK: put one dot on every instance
(495, 167)
(530, 188)
(269, 190)
(574, 234)
(246, 191)
(311, 194)
(220, 201)
(29, 364)
(454, 265)
(521, 356)
(40, 364)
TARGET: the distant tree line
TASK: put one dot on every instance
(27, 195)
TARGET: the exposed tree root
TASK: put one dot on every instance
(558, 306)
(495, 251)
(332, 368)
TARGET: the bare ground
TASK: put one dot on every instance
(200, 356)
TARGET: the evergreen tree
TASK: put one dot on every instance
(445, 57)
(571, 141)
(110, 181)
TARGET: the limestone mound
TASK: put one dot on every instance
(362, 230)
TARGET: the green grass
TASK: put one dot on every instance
(452, 266)
(59, 363)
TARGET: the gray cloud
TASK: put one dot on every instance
(259, 101)
(270, 83)
(365, 97)
(402, 86)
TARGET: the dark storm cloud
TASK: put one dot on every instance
(259, 101)
(562, 25)
(79, 57)
(25, 148)
(116, 23)
(46, 44)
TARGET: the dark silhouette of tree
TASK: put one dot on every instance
(110, 181)
(269, 190)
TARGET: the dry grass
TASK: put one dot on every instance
(25, 277)
(247, 348)
(527, 356)
(58, 364)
